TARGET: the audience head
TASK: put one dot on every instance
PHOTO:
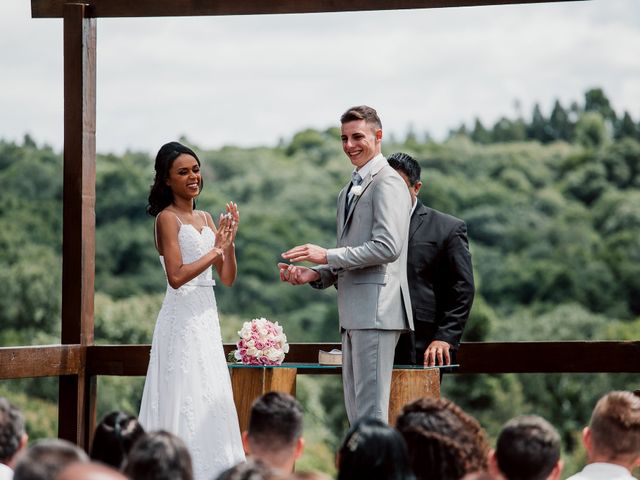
(250, 470)
(613, 435)
(161, 195)
(159, 456)
(443, 441)
(528, 448)
(90, 471)
(13, 436)
(113, 438)
(45, 459)
(409, 170)
(274, 436)
(373, 450)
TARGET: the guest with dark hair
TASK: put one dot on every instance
(113, 438)
(373, 450)
(275, 436)
(45, 459)
(251, 470)
(159, 456)
(13, 437)
(528, 448)
(443, 441)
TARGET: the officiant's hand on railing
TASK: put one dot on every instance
(437, 353)
(297, 275)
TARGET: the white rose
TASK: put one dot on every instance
(357, 190)
(252, 352)
(274, 355)
(245, 332)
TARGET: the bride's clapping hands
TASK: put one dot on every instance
(225, 233)
(225, 237)
(232, 210)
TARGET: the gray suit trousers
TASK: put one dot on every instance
(367, 365)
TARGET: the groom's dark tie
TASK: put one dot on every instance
(356, 179)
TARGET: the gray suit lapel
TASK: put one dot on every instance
(366, 181)
(342, 200)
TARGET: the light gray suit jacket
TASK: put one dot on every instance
(369, 265)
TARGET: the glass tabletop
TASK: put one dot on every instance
(324, 366)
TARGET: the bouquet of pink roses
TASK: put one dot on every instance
(261, 343)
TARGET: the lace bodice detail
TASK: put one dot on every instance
(193, 245)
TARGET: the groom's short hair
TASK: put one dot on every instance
(275, 421)
(362, 112)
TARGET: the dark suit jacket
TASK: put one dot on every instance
(441, 284)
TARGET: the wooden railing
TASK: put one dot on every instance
(481, 357)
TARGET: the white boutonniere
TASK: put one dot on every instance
(357, 190)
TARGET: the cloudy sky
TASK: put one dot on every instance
(253, 80)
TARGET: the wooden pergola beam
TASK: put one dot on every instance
(179, 8)
(76, 397)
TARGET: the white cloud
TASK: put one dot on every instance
(251, 80)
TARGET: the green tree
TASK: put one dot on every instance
(505, 130)
(479, 134)
(596, 101)
(626, 128)
(539, 129)
(559, 122)
(591, 131)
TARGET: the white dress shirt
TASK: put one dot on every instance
(603, 471)
(5, 472)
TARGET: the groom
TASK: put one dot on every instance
(368, 266)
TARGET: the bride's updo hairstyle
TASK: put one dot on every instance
(161, 196)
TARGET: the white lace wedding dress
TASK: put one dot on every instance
(188, 390)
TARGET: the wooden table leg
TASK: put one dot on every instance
(249, 383)
(409, 385)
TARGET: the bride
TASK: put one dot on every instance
(188, 390)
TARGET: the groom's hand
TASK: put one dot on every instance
(307, 253)
(297, 275)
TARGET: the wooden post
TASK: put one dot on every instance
(250, 383)
(409, 385)
(77, 393)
